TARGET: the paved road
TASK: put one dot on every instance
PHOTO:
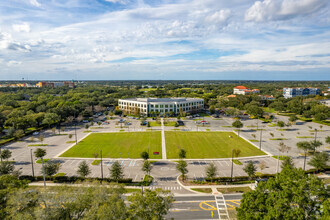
(201, 206)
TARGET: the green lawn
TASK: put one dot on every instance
(207, 144)
(117, 145)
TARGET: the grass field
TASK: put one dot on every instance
(117, 145)
(207, 144)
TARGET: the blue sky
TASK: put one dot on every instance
(165, 39)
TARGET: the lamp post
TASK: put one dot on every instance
(315, 134)
(101, 166)
(260, 139)
(32, 163)
(232, 164)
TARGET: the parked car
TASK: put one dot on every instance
(121, 120)
(85, 121)
(128, 123)
(35, 133)
(180, 123)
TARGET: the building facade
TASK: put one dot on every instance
(162, 106)
(293, 92)
(242, 90)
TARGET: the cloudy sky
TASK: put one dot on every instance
(165, 39)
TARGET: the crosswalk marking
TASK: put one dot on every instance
(165, 187)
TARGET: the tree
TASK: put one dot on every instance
(234, 153)
(70, 136)
(293, 118)
(5, 154)
(280, 124)
(315, 144)
(290, 195)
(287, 162)
(182, 168)
(255, 111)
(182, 153)
(237, 124)
(19, 133)
(150, 204)
(211, 171)
(83, 169)
(116, 171)
(51, 168)
(250, 169)
(6, 167)
(305, 146)
(327, 140)
(41, 138)
(147, 167)
(319, 161)
(144, 155)
(51, 118)
(41, 153)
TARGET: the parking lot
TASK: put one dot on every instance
(57, 144)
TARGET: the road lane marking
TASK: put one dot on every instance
(207, 209)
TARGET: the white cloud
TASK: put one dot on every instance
(220, 16)
(123, 2)
(268, 10)
(24, 27)
(13, 62)
(35, 3)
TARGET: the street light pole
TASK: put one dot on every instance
(32, 163)
(101, 166)
(232, 164)
(315, 134)
(260, 139)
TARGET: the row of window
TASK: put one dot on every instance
(160, 106)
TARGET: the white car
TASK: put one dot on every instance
(35, 133)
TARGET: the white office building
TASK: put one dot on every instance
(293, 92)
(160, 105)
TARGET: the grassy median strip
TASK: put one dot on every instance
(117, 145)
(39, 161)
(202, 190)
(234, 190)
(237, 162)
(304, 137)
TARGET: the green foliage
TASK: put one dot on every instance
(51, 168)
(250, 169)
(40, 160)
(116, 171)
(211, 171)
(182, 153)
(182, 168)
(280, 124)
(83, 169)
(287, 162)
(147, 167)
(237, 162)
(327, 140)
(5, 154)
(150, 204)
(290, 195)
(144, 155)
(40, 153)
(96, 162)
(6, 167)
(319, 160)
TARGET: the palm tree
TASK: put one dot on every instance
(315, 144)
(234, 153)
(40, 153)
(305, 146)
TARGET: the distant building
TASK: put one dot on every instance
(293, 92)
(55, 84)
(267, 97)
(242, 90)
(161, 105)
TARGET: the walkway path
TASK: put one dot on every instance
(163, 140)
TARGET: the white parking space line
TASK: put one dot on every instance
(130, 163)
(134, 163)
(135, 177)
(226, 163)
(122, 162)
(72, 162)
(195, 177)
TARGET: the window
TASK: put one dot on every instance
(156, 106)
(166, 106)
(171, 106)
(162, 106)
